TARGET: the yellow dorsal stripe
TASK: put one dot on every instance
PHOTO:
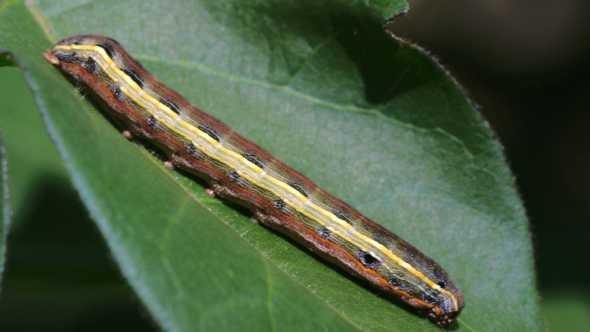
(251, 172)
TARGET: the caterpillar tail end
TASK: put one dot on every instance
(51, 58)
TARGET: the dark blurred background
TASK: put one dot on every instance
(525, 62)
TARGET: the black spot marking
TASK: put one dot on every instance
(324, 232)
(117, 91)
(207, 130)
(171, 105)
(343, 216)
(134, 76)
(191, 149)
(253, 159)
(279, 204)
(442, 284)
(108, 49)
(298, 188)
(67, 57)
(234, 176)
(90, 65)
(152, 121)
(394, 282)
(369, 260)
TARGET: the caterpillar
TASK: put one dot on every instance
(238, 170)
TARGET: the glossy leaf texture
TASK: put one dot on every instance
(322, 86)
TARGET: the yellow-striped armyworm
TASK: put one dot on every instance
(238, 170)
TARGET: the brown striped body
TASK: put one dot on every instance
(238, 170)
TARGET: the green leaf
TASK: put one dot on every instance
(4, 205)
(33, 158)
(322, 86)
(566, 311)
(71, 264)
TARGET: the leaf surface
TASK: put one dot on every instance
(322, 86)
(4, 205)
